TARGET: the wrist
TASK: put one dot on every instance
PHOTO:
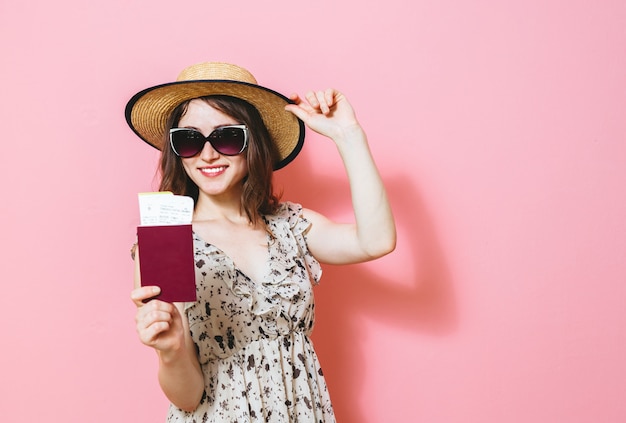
(171, 356)
(350, 134)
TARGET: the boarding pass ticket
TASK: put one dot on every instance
(164, 208)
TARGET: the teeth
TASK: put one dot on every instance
(213, 169)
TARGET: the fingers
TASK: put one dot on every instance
(295, 98)
(329, 97)
(298, 111)
(321, 101)
(326, 112)
(140, 295)
(154, 320)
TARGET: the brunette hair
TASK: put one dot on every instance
(258, 197)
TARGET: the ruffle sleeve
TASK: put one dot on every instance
(299, 226)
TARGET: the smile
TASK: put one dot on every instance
(213, 170)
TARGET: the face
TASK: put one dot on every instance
(215, 175)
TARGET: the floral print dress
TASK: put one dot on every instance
(253, 338)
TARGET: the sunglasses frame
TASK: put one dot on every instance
(207, 139)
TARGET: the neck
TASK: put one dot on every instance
(219, 208)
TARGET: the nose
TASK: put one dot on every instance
(208, 153)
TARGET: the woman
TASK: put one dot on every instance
(242, 352)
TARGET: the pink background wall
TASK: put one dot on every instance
(499, 127)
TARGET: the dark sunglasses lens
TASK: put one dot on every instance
(187, 143)
(228, 141)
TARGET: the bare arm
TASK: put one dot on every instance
(373, 232)
(164, 327)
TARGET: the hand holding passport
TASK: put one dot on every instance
(166, 245)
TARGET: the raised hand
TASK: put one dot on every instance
(326, 112)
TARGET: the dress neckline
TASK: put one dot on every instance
(234, 265)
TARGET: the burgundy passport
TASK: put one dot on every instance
(166, 260)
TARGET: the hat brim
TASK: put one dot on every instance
(147, 111)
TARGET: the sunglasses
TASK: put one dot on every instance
(227, 140)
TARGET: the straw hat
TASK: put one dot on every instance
(147, 111)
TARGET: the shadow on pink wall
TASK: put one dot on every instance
(424, 304)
